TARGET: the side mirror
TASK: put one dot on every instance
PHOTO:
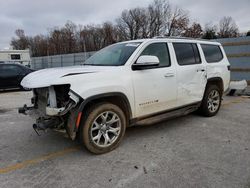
(145, 62)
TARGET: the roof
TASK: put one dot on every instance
(175, 39)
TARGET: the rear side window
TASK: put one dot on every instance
(159, 50)
(212, 53)
(187, 53)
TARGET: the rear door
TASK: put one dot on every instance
(191, 73)
(217, 62)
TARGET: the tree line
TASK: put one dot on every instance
(159, 18)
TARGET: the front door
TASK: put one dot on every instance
(155, 88)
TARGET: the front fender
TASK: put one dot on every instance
(75, 115)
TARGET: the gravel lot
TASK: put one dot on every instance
(190, 151)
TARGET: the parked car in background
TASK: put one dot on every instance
(12, 74)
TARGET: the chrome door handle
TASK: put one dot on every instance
(167, 75)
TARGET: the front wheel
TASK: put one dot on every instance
(211, 101)
(103, 128)
(24, 89)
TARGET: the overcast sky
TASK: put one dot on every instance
(37, 16)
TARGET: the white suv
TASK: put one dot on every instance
(129, 83)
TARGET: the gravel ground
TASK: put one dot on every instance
(190, 151)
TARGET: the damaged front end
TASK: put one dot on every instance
(54, 107)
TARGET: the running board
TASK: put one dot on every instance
(156, 118)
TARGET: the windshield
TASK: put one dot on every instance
(114, 55)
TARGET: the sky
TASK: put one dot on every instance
(37, 17)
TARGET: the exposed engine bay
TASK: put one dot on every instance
(54, 107)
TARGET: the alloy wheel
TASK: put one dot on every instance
(105, 129)
(213, 101)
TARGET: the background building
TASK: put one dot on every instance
(15, 56)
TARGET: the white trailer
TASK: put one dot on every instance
(15, 56)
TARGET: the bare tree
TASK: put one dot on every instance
(86, 39)
(166, 19)
(195, 31)
(125, 26)
(159, 18)
(109, 33)
(131, 24)
(210, 31)
(21, 42)
(92, 37)
(157, 12)
(68, 35)
(228, 28)
(56, 41)
(176, 22)
(39, 45)
(63, 40)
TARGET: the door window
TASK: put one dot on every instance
(187, 53)
(159, 50)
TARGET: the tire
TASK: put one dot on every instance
(24, 89)
(103, 128)
(211, 101)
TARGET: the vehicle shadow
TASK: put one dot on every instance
(60, 139)
(132, 135)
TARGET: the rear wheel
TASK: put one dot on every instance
(211, 101)
(103, 128)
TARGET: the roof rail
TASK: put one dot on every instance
(159, 37)
(178, 37)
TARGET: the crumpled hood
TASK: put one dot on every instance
(56, 76)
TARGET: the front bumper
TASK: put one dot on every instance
(51, 108)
